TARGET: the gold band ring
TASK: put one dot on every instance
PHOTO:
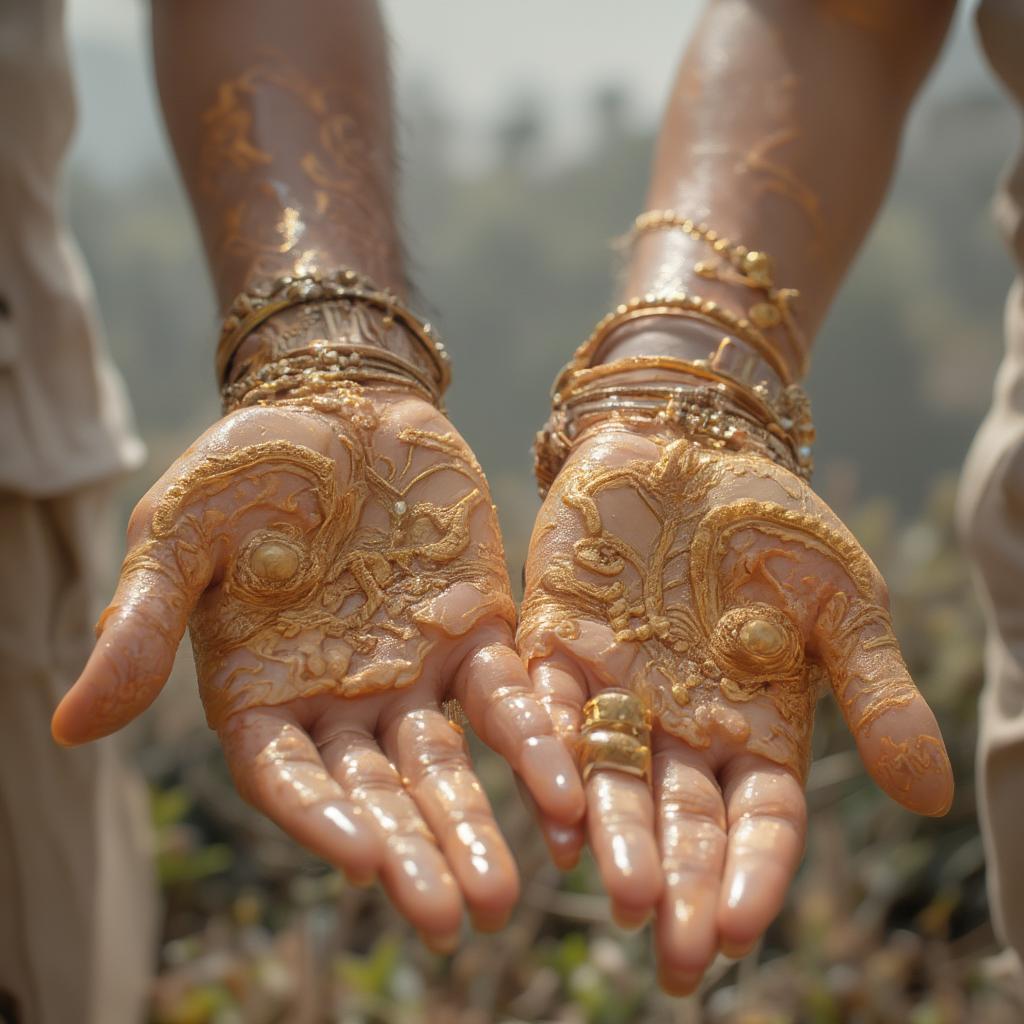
(616, 735)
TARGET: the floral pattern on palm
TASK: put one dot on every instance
(336, 582)
(714, 596)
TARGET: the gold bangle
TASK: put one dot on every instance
(789, 409)
(700, 413)
(323, 355)
(751, 268)
(252, 308)
(705, 405)
(582, 379)
(327, 363)
(683, 305)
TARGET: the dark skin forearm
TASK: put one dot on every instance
(781, 133)
(280, 117)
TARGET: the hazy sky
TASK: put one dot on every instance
(477, 56)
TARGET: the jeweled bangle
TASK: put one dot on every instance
(685, 306)
(736, 264)
(330, 362)
(707, 405)
(254, 307)
(703, 413)
(788, 408)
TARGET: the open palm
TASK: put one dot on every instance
(720, 589)
(340, 567)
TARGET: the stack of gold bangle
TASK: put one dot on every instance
(734, 263)
(322, 364)
(616, 735)
(254, 307)
(739, 396)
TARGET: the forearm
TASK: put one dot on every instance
(281, 123)
(280, 117)
(781, 134)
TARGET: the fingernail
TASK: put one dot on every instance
(443, 945)
(60, 739)
(627, 918)
(736, 950)
(360, 880)
(489, 921)
(564, 846)
(678, 983)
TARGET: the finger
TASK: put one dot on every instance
(564, 842)
(431, 756)
(767, 821)
(277, 768)
(562, 689)
(413, 870)
(496, 693)
(139, 634)
(620, 827)
(692, 836)
(895, 730)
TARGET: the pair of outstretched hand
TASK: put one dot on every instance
(339, 564)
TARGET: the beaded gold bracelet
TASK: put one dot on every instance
(257, 305)
(322, 363)
(702, 413)
(736, 264)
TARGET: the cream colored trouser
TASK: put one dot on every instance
(991, 516)
(77, 892)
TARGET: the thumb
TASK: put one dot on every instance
(137, 637)
(896, 732)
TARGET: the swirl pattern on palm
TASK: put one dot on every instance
(336, 573)
(721, 590)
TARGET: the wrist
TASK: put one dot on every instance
(659, 336)
(337, 308)
(301, 338)
(326, 323)
(663, 364)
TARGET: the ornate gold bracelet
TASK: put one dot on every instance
(324, 363)
(704, 414)
(707, 405)
(338, 361)
(685, 306)
(736, 264)
(257, 305)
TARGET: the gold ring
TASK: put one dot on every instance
(616, 735)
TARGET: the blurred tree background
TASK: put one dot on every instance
(887, 921)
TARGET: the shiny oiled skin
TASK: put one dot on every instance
(649, 557)
(338, 561)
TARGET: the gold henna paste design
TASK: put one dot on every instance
(329, 173)
(901, 765)
(665, 575)
(336, 582)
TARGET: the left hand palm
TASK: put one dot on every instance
(722, 590)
